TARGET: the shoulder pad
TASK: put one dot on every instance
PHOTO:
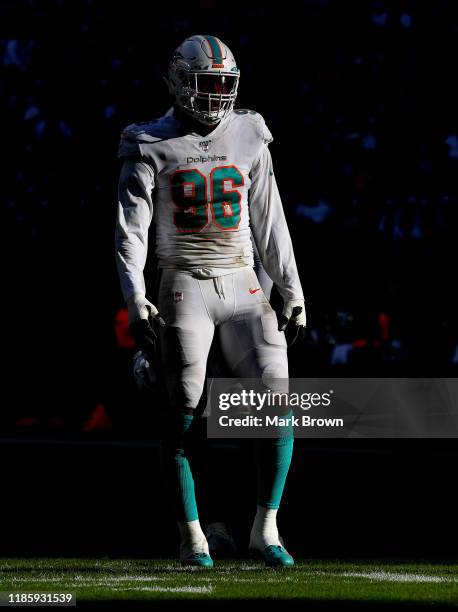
(134, 135)
(140, 138)
(140, 132)
(258, 121)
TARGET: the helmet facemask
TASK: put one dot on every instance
(206, 96)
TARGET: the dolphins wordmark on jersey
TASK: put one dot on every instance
(199, 187)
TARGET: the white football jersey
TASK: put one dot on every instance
(206, 195)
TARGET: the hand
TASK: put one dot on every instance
(139, 308)
(142, 315)
(293, 320)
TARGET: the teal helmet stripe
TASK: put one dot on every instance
(217, 55)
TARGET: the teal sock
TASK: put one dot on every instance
(176, 468)
(273, 459)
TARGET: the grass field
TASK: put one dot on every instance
(313, 584)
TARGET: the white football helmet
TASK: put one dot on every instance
(204, 78)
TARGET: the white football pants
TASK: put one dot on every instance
(234, 305)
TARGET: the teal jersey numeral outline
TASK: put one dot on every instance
(190, 195)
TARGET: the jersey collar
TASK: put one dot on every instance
(219, 129)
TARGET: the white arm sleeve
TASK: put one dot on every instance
(270, 231)
(135, 212)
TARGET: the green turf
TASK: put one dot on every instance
(317, 581)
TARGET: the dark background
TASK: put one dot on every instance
(361, 100)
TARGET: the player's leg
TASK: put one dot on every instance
(273, 460)
(206, 455)
(254, 348)
(185, 342)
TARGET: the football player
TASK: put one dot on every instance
(204, 171)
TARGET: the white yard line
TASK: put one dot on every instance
(110, 581)
(158, 589)
(382, 576)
